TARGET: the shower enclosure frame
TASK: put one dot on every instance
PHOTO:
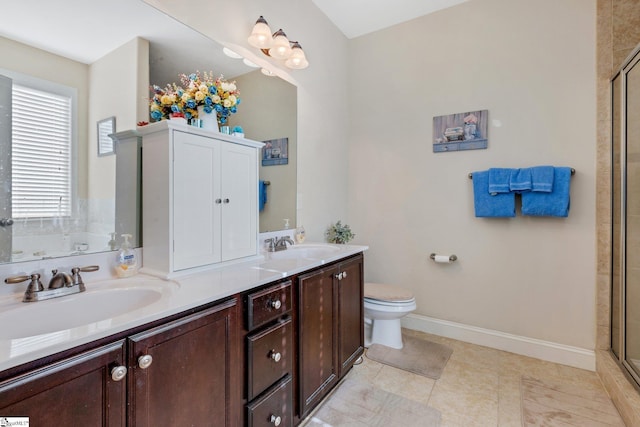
(619, 218)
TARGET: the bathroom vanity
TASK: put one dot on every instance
(258, 343)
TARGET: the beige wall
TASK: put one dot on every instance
(41, 64)
(533, 277)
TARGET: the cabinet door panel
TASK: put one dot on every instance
(193, 378)
(240, 201)
(74, 392)
(196, 187)
(318, 365)
(351, 303)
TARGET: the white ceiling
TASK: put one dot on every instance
(358, 17)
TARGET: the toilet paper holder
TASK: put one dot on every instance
(451, 257)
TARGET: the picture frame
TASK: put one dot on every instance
(461, 131)
(105, 128)
(275, 152)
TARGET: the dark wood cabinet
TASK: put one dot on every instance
(351, 313)
(186, 372)
(330, 328)
(77, 391)
(183, 372)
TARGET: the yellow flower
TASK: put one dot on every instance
(166, 100)
(227, 103)
(203, 88)
(199, 96)
(233, 100)
(185, 97)
(215, 99)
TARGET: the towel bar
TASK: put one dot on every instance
(267, 183)
(573, 172)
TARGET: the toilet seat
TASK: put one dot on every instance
(378, 293)
(376, 302)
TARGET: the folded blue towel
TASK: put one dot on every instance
(499, 180)
(542, 178)
(554, 203)
(262, 195)
(487, 205)
(520, 180)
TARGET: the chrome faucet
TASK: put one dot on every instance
(60, 284)
(277, 244)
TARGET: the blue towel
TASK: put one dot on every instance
(499, 180)
(555, 203)
(542, 178)
(520, 180)
(262, 195)
(487, 205)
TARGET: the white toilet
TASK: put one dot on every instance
(384, 306)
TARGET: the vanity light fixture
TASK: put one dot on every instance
(277, 45)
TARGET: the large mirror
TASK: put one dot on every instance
(104, 63)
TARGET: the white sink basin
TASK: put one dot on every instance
(72, 311)
(316, 252)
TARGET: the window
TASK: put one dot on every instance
(42, 146)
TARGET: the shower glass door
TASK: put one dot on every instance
(632, 227)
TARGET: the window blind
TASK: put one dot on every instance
(41, 153)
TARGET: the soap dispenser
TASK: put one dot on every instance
(300, 234)
(126, 263)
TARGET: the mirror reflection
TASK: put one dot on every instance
(100, 73)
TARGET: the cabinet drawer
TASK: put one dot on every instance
(275, 408)
(269, 357)
(268, 304)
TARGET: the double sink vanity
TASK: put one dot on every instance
(256, 343)
(216, 333)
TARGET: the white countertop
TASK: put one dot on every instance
(22, 340)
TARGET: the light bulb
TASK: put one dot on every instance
(281, 48)
(297, 60)
(261, 35)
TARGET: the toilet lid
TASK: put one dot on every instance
(382, 292)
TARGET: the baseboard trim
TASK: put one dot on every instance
(532, 347)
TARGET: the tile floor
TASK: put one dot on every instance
(480, 386)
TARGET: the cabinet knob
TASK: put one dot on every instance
(275, 356)
(275, 420)
(226, 200)
(338, 276)
(218, 201)
(276, 304)
(344, 274)
(118, 373)
(145, 361)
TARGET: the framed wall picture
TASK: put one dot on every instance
(275, 152)
(461, 131)
(105, 143)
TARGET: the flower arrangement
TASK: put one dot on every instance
(338, 233)
(213, 94)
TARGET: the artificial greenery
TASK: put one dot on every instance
(338, 233)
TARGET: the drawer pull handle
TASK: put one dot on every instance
(276, 304)
(145, 361)
(339, 276)
(275, 420)
(275, 356)
(118, 373)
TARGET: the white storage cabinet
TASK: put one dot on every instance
(200, 197)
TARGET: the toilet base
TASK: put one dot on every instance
(386, 332)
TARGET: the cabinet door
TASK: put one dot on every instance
(196, 201)
(351, 318)
(240, 201)
(78, 391)
(194, 373)
(318, 364)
